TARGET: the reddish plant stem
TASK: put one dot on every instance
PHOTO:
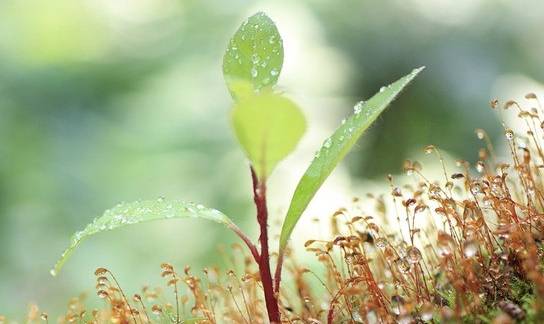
(247, 241)
(259, 196)
(277, 274)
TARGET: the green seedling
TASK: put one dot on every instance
(268, 126)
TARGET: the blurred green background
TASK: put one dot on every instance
(104, 101)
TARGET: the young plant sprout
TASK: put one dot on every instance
(268, 126)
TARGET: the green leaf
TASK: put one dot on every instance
(268, 126)
(254, 55)
(335, 148)
(138, 212)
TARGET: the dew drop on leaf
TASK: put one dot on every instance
(358, 107)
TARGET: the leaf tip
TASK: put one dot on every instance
(259, 13)
(419, 69)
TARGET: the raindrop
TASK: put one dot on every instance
(358, 107)
(381, 242)
(371, 317)
(328, 142)
(274, 72)
(480, 166)
(444, 249)
(509, 134)
(405, 319)
(357, 317)
(404, 266)
(427, 312)
(475, 188)
(396, 192)
(470, 248)
(413, 254)
(254, 72)
(480, 133)
(429, 149)
(382, 89)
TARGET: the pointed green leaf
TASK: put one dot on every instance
(138, 212)
(268, 126)
(254, 55)
(335, 148)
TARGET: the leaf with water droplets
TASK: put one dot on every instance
(254, 56)
(268, 126)
(138, 212)
(335, 148)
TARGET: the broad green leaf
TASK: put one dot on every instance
(138, 212)
(335, 148)
(268, 126)
(254, 55)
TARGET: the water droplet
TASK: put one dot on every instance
(358, 107)
(382, 89)
(470, 248)
(396, 192)
(405, 319)
(480, 166)
(404, 266)
(429, 149)
(480, 133)
(372, 318)
(509, 134)
(272, 39)
(413, 254)
(476, 188)
(427, 311)
(255, 58)
(328, 142)
(254, 72)
(274, 72)
(381, 242)
(444, 249)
